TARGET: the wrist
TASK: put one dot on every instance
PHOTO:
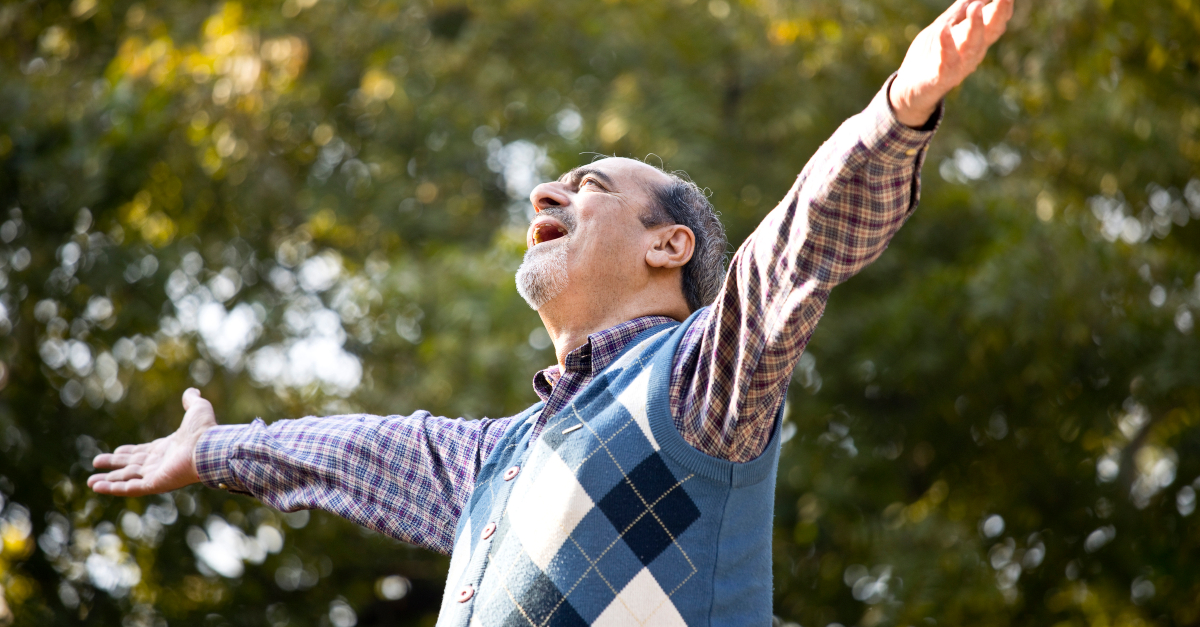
(193, 446)
(909, 108)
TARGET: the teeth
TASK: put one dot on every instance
(547, 232)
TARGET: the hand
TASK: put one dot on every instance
(162, 465)
(944, 54)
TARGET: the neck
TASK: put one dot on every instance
(571, 318)
(571, 331)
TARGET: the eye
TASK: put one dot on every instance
(589, 180)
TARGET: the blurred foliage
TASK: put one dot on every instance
(315, 206)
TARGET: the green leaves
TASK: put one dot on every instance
(238, 196)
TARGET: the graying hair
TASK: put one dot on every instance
(683, 202)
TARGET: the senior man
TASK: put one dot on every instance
(640, 489)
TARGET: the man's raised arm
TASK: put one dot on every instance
(855, 193)
(405, 476)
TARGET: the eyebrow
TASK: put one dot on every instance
(575, 176)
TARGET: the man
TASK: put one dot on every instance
(639, 490)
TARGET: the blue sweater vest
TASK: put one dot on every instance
(610, 517)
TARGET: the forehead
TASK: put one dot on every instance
(620, 172)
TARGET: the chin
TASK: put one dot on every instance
(543, 273)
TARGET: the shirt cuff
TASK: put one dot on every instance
(214, 451)
(894, 141)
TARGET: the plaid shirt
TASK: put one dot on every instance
(410, 476)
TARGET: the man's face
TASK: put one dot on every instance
(587, 239)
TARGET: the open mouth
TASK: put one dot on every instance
(547, 231)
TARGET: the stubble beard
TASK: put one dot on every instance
(543, 273)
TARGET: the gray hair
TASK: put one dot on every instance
(683, 202)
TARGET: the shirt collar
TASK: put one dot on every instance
(596, 354)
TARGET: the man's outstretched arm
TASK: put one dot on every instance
(405, 476)
(847, 203)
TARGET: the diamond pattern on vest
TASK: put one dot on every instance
(545, 509)
(581, 537)
(589, 533)
(529, 597)
(649, 509)
(642, 602)
(634, 399)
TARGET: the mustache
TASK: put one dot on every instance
(562, 215)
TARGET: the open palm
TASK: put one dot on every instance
(162, 465)
(945, 53)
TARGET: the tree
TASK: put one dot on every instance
(316, 207)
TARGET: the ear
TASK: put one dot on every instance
(671, 246)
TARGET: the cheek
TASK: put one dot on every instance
(609, 242)
(613, 255)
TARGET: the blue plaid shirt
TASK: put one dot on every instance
(410, 476)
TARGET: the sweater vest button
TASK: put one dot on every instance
(511, 473)
(466, 593)
(488, 530)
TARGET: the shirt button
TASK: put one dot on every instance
(511, 473)
(222, 486)
(910, 152)
(465, 594)
(488, 530)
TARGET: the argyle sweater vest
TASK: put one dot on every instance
(610, 518)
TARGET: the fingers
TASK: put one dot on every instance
(967, 41)
(190, 396)
(96, 479)
(975, 32)
(137, 487)
(105, 480)
(955, 13)
(948, 42)
(127, 473)
(111, 460)
(192, 402)
(1001, 10)
(123, 456)
(995, 17)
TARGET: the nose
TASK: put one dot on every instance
(546, 195)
